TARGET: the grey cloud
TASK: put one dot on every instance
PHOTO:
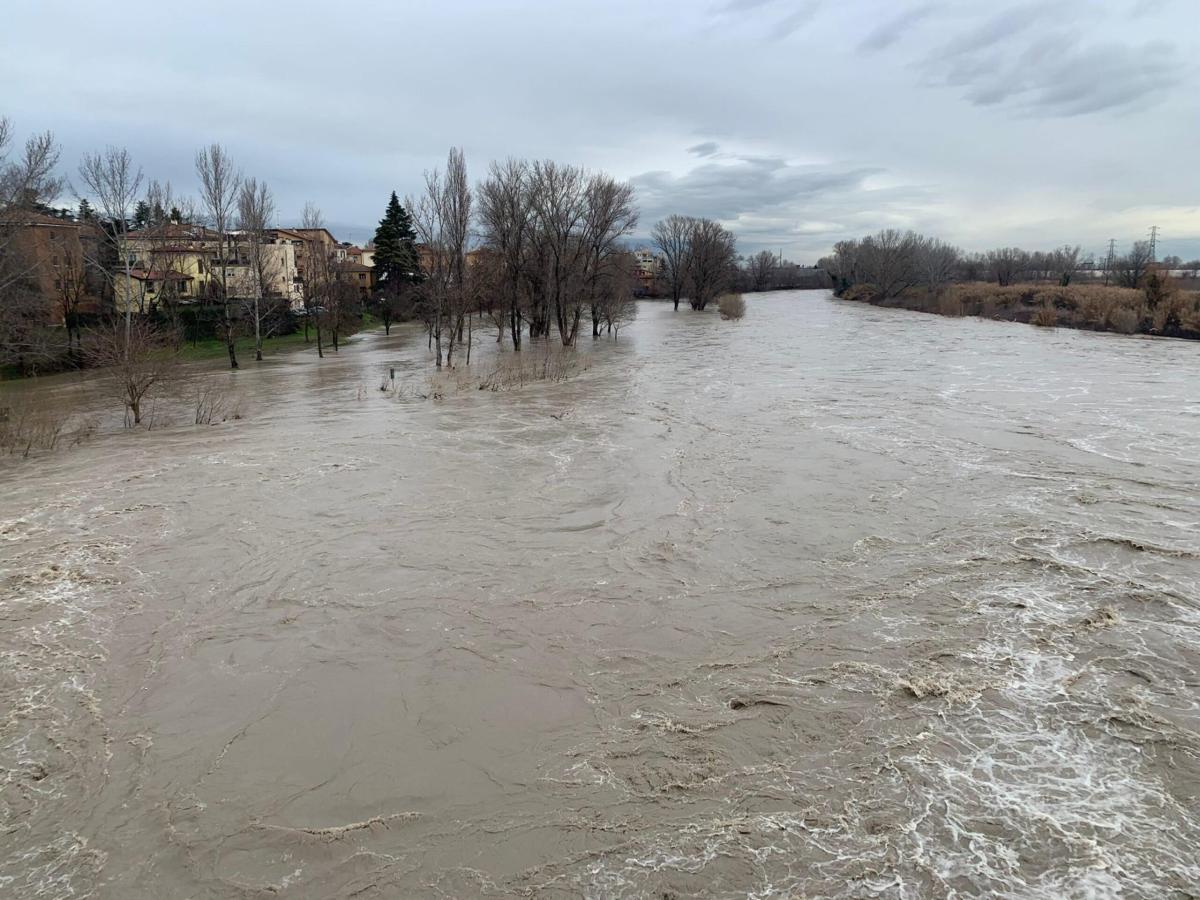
(1147, 8)
(750, 186)
(936, 109)
(1106, 78)
(1049, 72)
(779, 27)
(793, 22)
(739, 6)
(1001, 26)
(886, 34)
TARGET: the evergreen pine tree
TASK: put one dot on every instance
(395, 247)
(141, 214)
(85, 210)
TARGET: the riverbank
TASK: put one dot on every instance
(215, 348)
(1089, 307)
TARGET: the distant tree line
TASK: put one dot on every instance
(892, 261)
(1058, 288)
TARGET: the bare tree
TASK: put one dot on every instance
(760, 270)
(256, 209)
(1066, 262)
(442, 219)
(887, 261)
(29, 180)
(1008, 264)
(316, 269)
(114, 182)
(219, 186)
(935, 262)
(136, 360)
(428, 218)
(456, 204)
(615, 290)
(559, 202)
(25, 183)
(712, 255)
(1131, 268)
(973, 267)
(610, 216)
(842, 265)
(505, 218)
(71, 286)
(671, 237)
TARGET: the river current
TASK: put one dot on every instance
(834, 601)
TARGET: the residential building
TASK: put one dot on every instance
(649, 267)
(280, 275)
(60, 257)
(170, 263)
(358, 276)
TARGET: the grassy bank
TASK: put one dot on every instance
(213, 348)
(1171, 312)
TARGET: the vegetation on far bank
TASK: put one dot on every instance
(1091, 307)
(910, 271)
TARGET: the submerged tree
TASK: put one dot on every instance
(506, 221)
(712, 259)
(672, 238)
(137, 359)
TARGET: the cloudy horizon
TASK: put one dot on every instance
(797, 123)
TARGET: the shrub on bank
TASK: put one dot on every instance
(731, 306)
(1045, 317)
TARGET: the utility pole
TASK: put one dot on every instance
(1108, 262)
(1154, 243)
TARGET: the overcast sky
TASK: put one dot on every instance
(795, 122)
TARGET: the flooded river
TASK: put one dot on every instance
(831, 602)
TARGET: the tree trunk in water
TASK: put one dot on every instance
(257, 332)
(233, 364)
(320, 348)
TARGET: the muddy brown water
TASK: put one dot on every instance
(831, 602)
